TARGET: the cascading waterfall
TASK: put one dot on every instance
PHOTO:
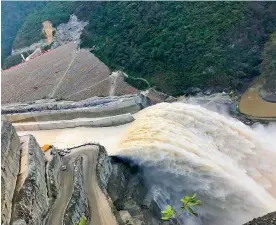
(185, 149)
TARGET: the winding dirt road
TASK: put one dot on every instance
(100, 211)
(66, 180)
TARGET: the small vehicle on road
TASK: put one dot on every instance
(64, 167)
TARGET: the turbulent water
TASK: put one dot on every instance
(186, 148)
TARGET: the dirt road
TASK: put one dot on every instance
(66, 181)
(100, 211)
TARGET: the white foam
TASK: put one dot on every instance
(186, 148)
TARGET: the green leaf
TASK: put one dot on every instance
(189, 201)
(82, 221)
(168, 213)
(192, 211)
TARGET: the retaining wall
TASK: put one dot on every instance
(114, 109)
(85, 122)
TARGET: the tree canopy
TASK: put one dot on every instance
(13, 15)
(174, 45)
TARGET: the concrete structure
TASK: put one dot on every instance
(85, 122)
(113, 109)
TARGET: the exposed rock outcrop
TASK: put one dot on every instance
(157, 96)
(70, 31)
(10, 156)
(78, 204)
(268, 219)
(30, 203)
(128, 195)
(52, 170)
(37, 187)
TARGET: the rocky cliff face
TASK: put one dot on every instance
(30, 203)
(128, 195)
(52, 169)
(24, 194)
(10, 154)
(157, 96)
(70, 31)
(30, 186)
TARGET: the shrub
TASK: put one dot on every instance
(82, 221)
(187, 203)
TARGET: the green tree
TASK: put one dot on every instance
(176, 45)
(13, 14)
(173, 45)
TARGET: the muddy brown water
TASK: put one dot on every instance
(253, 105)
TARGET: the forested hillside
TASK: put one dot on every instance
(13, 15)
(268, 69)
(174, 45)
(268, 66)
(56, 12)
(30, 32)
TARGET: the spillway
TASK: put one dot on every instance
(185, 148)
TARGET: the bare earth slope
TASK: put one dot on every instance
(65, 72)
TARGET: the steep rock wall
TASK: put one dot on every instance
(124, 187)
(52, 170)
(10, 156)
(30, 202)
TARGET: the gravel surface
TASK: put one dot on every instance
(269, 219)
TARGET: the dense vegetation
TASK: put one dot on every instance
(56, 12)
(13, 15)
(268, 67)
(30, 32)
(174, 45)
(13, 60)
